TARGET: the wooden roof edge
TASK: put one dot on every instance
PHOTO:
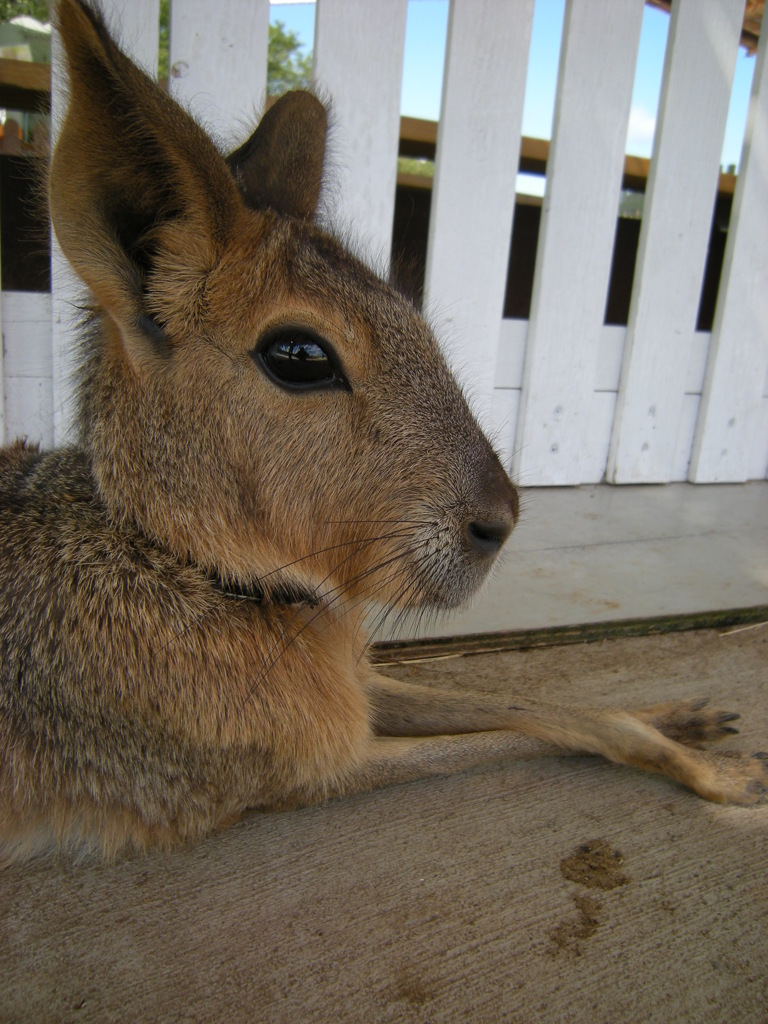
(751, 25)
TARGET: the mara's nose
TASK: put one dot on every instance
(487, 533)
(487, 538)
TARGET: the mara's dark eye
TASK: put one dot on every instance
(299, 359)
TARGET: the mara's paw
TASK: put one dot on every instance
(691, 722)
(733, 778)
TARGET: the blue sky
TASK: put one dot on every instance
(423, 64)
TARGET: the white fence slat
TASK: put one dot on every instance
(136, 24)
(730, 416)
(504, 408)
(218, 62)
(513, 338)
(28, 410)
(512, 345)
(681, 444)
(674, 387)
(27, 386)
(27, 334)
(66, 289)
(610, 351)
(556, 437)
(473, 196)
(698, 73)
(64, 282)
(758, 467)
(603, 407)
(358, 62)
(697, 363)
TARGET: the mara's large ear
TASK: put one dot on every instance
(130, 166)
(281, 166)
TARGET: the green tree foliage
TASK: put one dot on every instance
(288, 67)
(32, 8)
(163, 38)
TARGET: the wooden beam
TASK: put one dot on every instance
(403, 652)
(418, 138)
(25, 85)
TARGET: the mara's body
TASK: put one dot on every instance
(269, 438)
(138, 699)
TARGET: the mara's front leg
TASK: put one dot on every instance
(425, 731)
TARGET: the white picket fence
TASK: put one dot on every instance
(569, 399)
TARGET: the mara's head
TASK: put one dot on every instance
(253, 397)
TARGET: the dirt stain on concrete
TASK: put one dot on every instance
(595, 865)
(413, 988)
(568, 935)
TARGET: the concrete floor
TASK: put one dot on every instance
(454, 900)
(591, 554)
(448, 901)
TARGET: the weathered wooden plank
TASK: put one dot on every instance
(478, 151)
(136, 26)
(698, 72)
(556, 433)
(403, 652)
(358, 61)
(730, 418)
(27, 76)
(218, 62)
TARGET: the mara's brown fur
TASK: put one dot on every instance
(269, 437)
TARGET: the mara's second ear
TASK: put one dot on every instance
(281, 166)
(130, 168)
